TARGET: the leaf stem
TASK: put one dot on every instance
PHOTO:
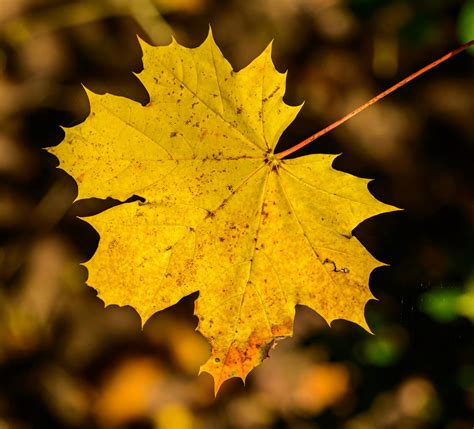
(369, 103)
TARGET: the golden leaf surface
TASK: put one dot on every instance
(255, 235)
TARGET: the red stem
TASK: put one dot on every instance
(298, 146)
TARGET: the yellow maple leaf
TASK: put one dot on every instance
(254, 234)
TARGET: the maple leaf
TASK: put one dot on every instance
(254, 234)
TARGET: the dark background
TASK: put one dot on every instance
(65, 362)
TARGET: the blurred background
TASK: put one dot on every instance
(65, 362)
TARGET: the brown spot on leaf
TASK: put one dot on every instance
(274, 92)
(241, 358)
(335, 268)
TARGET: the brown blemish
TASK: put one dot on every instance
(283, 330)
(336, 270)
(274, 92)
(242, 358)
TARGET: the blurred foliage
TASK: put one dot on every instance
(466, 23)
(66, 362)
(446, 304)
(441, 304)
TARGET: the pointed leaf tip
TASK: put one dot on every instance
(269, 47)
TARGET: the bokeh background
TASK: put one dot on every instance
(66, 362)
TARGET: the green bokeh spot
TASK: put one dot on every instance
(441, 304)
(381, 351)
(466, 24)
